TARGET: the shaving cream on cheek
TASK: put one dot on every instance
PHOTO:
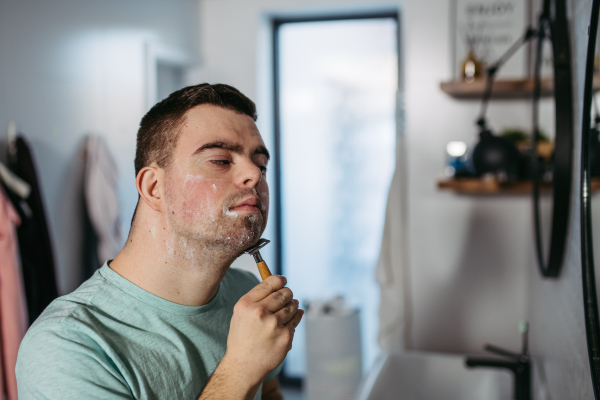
(199, 198)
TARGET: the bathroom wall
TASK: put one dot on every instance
(558, 342)
(469, 257)
(71, 67)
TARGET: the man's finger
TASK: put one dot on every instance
(266, 287)
(293, 323)
(277, 300)
(287, 313)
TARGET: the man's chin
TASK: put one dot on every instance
(241, 235)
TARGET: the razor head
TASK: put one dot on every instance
(259, 245)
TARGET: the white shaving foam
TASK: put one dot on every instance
(229, 213)
(192, 177)
(171, 246)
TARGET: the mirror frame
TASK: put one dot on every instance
(556, 21)
(590, 300)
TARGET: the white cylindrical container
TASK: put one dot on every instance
(334, 356)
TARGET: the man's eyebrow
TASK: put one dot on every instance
(236, 148)
(263, 150)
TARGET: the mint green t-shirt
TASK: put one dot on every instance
(110, 339)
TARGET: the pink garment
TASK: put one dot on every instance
(13, 312)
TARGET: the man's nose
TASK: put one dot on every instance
(250, 175)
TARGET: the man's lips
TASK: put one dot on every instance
(251, 205)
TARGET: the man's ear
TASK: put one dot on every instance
(149, 185)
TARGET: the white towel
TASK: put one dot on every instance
(392, 267)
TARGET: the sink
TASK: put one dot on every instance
(432, 376)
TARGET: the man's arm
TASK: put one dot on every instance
(260, 336)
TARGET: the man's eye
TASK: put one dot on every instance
(263, 170)
(221, 162)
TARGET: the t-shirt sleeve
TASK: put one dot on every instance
(55, 363)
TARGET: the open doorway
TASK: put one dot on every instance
(336, 81)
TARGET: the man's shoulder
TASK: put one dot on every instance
(65, 344)
(69, 311)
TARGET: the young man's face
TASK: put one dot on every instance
(216, 190)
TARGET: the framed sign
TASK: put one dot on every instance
(487, 28)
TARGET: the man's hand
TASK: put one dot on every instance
(260, 336)
(262, 328)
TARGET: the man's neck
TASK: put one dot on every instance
(171, 267)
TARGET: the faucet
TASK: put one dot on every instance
(519, 364)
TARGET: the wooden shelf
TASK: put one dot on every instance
(491, 186)
(503, 88)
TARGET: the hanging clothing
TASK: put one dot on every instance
(13, 314)
(37, 258)
(101, 199)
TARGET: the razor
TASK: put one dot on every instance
(260, 263)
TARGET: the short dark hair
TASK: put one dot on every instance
(161, 126)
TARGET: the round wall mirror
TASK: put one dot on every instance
(552, 173)
(553, 25)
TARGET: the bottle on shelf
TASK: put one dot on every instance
(472, 67)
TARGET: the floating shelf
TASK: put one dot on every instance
(492, 186)
(503, 88)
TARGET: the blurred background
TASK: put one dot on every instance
(358, 101)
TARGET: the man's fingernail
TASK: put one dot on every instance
(284, 278)
(296, 301)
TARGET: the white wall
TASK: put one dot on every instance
(469, 256)
(70, 67)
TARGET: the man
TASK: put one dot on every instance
(168, 318)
